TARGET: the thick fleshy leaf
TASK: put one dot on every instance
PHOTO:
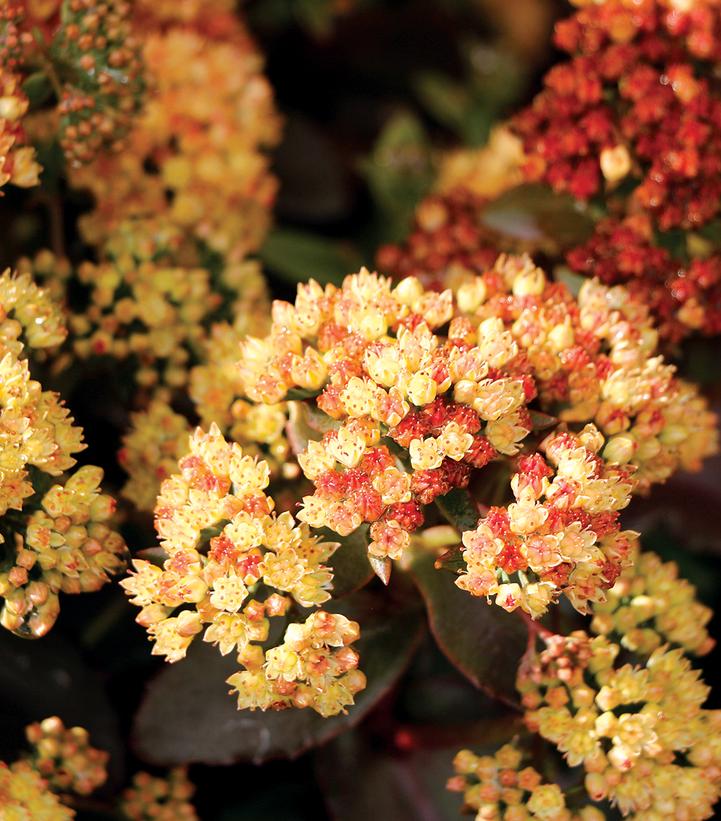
(306, 423)
(483, 641)
(534, 213)
(459, 509)
(188, 716)
(351, 568)
(399, 173)
(405, 779)
(296, 256)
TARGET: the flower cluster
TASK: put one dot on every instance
(217, 391)
(639, 730)
(649, 605)
(68, 547)
(561, 535)
(636, 100)
(157, 439)
(447, 241)
(594, 359)
(17, 160)
(495, 786)
(150, 798)
(314, 666)
(237, 565)
(88, 56)
(98, 108)
(151, 313)
(24, 795)
(386, 379)
(54, 539)
(65, 758)
(62, 765)
(486, 172)
(682, 296)
(389, 380)
(195, 157)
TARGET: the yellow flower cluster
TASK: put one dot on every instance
(639, 730)
(157, 439)
(57, 538)
(67, 547)
(495, 787)
(383, 369)
(649, 606)
(17, 160)
(373, 360)
(28, 316)
(150, 798)
(149, 312)
(235, 563)
(196, 155)
(561, 535)
(314, 667)
(65, 758)
(217, 391)
(24, 795)
(486, 171)
(594, 360)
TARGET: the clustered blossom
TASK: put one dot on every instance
(99, 106)
(17, 160)
(54, 539)
(62, 765)
(385, 379)
(447, 241)
(683, 296)
(91, 60)
(561, 535)
(252, 567)
(314, 666)
(388, 378)
(150, 798)
(497, 787)
(639, 730)
(649, 605)
(196, 155)
(64, 757)
(68, 547)
(637, 101)
(157, 439)
(486, 172)
(24, 795)
(594, 359)
(216, 390)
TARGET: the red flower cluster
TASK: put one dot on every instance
(447, 239)
(681, 296)
(637, 99)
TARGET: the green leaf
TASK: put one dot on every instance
(188, 716)
(296, 256)
(446, 99)
(459, 509)
(38, 89)
(399, 172)
(542, 421)
(534, 213)
(351, 568)
(306, 422)
(483, 641)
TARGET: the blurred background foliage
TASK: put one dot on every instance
(372, 92)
